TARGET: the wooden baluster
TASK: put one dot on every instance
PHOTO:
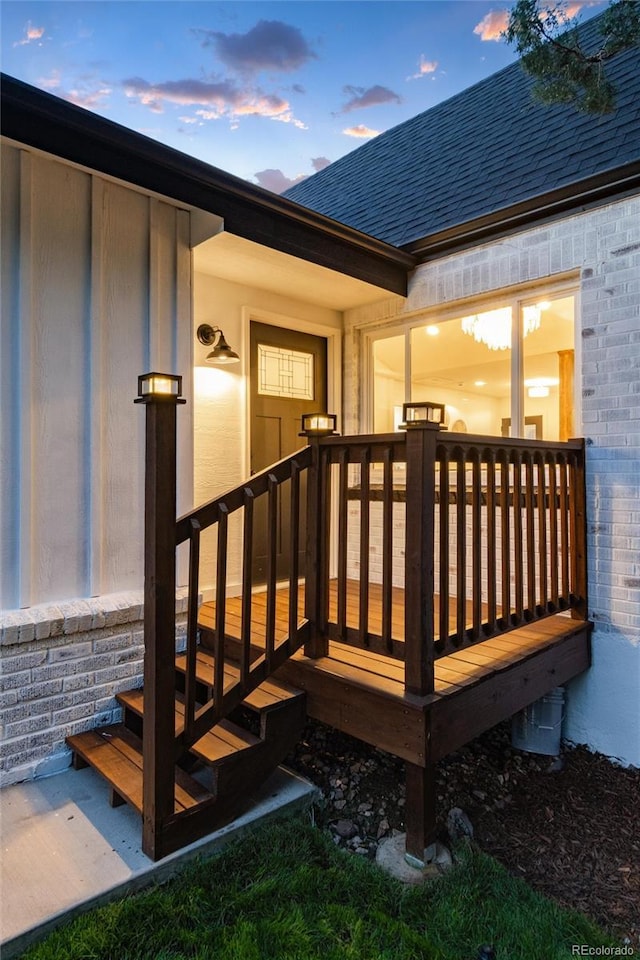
(247, 585)
(564, 532)
(221, 600)
(505, 536)
(294, 551)
(343, 517)
(445, 508)
(542, 534)
(363, 618)
(517, 536)
(326, 460)
(476, 546)
(461, 549)
(272, 573)
(578, 499)
(419, 552)
(192, 630)
(492, 567)
(387, 549)
(531, 540)
(554, 558)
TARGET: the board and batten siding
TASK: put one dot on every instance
(96, 289)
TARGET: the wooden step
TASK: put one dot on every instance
(224, 740)
(270, 695)
(116, 754)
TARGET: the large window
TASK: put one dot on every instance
(501, 368)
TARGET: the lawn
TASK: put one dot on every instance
(285, 892)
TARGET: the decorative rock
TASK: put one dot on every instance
(390, 857)
(344, 828)
(458, 824)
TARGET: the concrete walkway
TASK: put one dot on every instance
(65, 850)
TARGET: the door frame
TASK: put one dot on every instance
(333, 337)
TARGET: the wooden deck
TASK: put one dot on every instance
(362, 691)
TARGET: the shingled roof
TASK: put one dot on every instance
(484, 150)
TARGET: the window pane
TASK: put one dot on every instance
(388, 383)
(548, 370)
(449, 365)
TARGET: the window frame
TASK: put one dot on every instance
(517, 299)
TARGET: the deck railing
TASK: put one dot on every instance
(483, 535)
(479, 535)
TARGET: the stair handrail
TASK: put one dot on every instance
(217, 512)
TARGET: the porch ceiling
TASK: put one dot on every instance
(243, 261)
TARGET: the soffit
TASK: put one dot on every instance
(242, 261)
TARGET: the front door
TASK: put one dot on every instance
(288, 379)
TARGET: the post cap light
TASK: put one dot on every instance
(318, 424)
(159, 386)
(422, 414)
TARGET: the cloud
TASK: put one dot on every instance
(492, 26)
(217, 99)
(361, 131)
(425, 67)
(31, 34)
(276, 181)
(319, 163)
(270, 45)
(87, 91)
(370, 97)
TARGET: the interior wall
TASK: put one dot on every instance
(220, 398)
(95, 291)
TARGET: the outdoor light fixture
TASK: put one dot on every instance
(420, 413)
(318, 424)
(214, 337)
(493, 327)
(159, 386)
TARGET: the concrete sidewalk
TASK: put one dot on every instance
(65, 850)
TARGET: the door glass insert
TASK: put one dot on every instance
(285, 373)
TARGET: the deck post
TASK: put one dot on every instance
(419, 553)
(315, 586)
(419, 631)
(159, 614)
(578, 512)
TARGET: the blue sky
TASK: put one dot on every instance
(268, 91)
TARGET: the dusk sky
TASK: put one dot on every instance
(268, 91)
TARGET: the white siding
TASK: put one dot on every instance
(96, 290)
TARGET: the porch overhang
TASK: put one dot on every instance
(47, 123)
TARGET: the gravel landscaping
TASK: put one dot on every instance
(570, 827)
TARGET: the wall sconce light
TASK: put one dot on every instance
(318, 425)
(159, 386)
(222, 352)
(422, 413)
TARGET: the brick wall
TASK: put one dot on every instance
(62, 666)
(601, 250)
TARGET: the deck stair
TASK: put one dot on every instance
(220, 770)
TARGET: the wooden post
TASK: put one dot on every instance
(419, 547)
(578, 511)
(419, 631)
(159, 618)
(317, 644)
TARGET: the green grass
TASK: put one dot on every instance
(286, 893)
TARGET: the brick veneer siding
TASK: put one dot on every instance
(61, 666)
(601, 250)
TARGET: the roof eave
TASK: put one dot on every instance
(47, 123)
(599, 189)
